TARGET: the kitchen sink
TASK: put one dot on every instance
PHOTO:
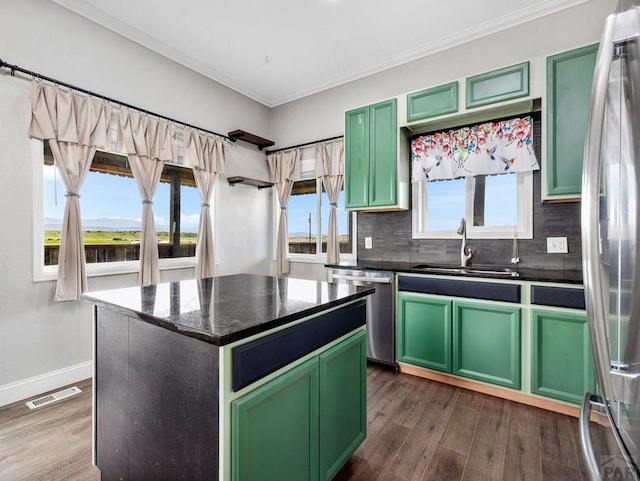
(494, 271)
(432, 268)
(486, 270)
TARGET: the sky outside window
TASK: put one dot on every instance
(501, 200)
(298, 214)
(116, 199)
(300, 207)
(445, 204)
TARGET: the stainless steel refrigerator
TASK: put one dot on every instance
(610, 418)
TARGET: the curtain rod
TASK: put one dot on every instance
(304, 145)
(15, 68)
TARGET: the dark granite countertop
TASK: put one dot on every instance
(225, 309)
(523, 274)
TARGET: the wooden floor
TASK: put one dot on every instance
(418, 430)
(50, 443)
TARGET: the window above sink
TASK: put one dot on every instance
(482, 173)
(505, 207)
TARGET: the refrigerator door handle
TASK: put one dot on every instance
(593, 282)
(586, 445)
(585, 436)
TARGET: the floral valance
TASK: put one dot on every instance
(483, 149)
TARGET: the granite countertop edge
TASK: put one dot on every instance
(221, 340)
(284, 320)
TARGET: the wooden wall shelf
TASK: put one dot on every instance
(260, 184)
(250, 138)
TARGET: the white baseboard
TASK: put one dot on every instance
(26, 388)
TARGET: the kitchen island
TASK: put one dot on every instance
(241, 377)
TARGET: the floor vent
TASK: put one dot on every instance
(50, 398)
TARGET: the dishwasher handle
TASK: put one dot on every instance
(371, 280)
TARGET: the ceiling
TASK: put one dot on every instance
(276, 51)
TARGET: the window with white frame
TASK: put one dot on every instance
(482, 173)
(111, 210)
(494, 207)
(308, 218)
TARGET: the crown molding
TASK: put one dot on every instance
(524, 15)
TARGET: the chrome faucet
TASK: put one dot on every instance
(465, 252)
(515, 259)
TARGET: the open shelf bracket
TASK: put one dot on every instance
(250, 138)
(260, 184)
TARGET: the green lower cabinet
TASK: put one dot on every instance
(275, 428)
(424, 331)
(306, 423)
(561, 362)
(343, 403)
(486, 343)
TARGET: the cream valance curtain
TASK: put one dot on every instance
(74, 126)
(484, 149)
(284, 170)
(205, 155)
(330, 167)
(149, 143)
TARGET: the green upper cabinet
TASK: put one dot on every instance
(498, 85)
(432, 102)
(356, 168)
(569, 79)
(424, 331)
(343, 403)
(383, 154)
(486, 342)
(276, 428)
(372, 172)
(561, 362)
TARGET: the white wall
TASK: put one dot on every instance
(44, 344)
(308, 270)
(244, 216)
(322, 115)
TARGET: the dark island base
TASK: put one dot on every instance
(152, 388)
(158, 399)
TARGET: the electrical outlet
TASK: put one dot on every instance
(368, 243)
(557, 245)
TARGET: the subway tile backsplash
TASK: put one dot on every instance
(391, 235)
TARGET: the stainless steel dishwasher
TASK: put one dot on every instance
(381, 337)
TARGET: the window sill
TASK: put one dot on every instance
(313, 259)
(50, 273)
